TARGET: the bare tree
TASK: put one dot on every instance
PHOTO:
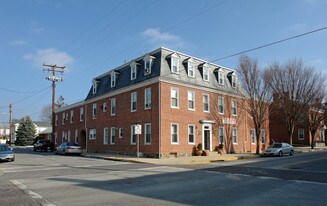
(295, 88)
(256, 94)
(316, 114)
(46, 113)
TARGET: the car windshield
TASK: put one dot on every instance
(277, 146)
(4, 148)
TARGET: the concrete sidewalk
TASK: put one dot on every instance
(213, 157)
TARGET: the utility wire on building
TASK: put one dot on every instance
(53, 69)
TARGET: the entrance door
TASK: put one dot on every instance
(206, 136)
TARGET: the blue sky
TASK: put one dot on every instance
(93, 37)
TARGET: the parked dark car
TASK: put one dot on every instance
(43, 145)
(69, 148)
(6, 153)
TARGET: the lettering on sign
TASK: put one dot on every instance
(227, 120)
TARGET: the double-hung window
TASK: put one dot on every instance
(105, 136)
(113, 107)
(263, 136)
(234, 107)
(94, 111)
(81, 114)
(174, 98)
(112, 135)
(56, 121)
(221, 135)
(147, 133)
(206, 104)
(301, 134)
(174, 133)
(252, 136)
(191, 100)
(206, 73)
(71, 116)
(234, 79)
(190, 68)
(147, 98)
(133, 66)
(104, 106)
(221, 80)
(221, 105)
(93, 134)
(234, 135)
(191, 133)
(113, 79)
(174, 65)
(133, 101)
(133, 135)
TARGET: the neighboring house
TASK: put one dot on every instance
(46, 134)
(301, 134)
(39, 127)
(179, 100)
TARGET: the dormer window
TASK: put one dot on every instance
(221, 79)
(148, 64)
(133, 66)
(174, 63)
(190, 64)
(95, 86)
(205, 72)
(234, 79)
(113, 78)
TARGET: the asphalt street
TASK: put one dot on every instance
(37, 178)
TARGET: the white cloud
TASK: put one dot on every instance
(163, 38)
(18, 42)
(299, 27)
(49, 56)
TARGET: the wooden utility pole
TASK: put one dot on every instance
(53, 69)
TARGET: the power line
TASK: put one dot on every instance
(270, 44)
(13, 91)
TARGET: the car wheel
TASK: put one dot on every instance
(280, 153)
(292, 152)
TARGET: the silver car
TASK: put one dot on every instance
(69, 148)
(6, 153)
(278, 149)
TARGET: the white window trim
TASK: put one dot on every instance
(193, 100)
(263, 137)
(81, 114)
(206, 111)
(113, 104)
(234, 81)
(105, 135)
(236, 135)
(120, 133)
(113, 79)
(172, 65)
(132, 95)
(171, 133)
(147, 105)
(191, 67)
(76, 136)
(299, 134)
(148, 58)
(94, 111)
(235, 104)
(71, 116)
(188, 132)
(223, 104)
(112, 135)
(223, 136)
(253, 143)
(104, 107)
(145, 133)
(56, 120)
(205, 71)
(171, 97)
(133, 66)
(221, 80)
(133, 129)
(92, 135)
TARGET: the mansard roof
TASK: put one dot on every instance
(161, 67)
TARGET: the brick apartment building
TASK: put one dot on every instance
(179, 100)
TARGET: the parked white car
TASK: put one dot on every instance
(69, 148)
(278, 149)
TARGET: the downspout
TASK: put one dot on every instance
(85, 125)
(159, 105)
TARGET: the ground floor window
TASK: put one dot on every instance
(174, 133)
(191, 133)
(263, 136)
(234, 135)
(112, 135)
(133, 135)
(147, 133)
(93, 134)
(301, 134)
(221, 134)
(252, 136)
(105, 136)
